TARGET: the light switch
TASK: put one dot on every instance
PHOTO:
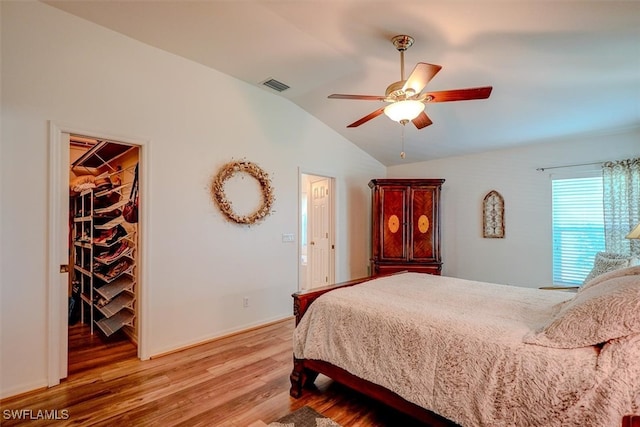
(287, 238)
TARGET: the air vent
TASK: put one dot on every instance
(275, 85)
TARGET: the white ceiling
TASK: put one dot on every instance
(558, 68)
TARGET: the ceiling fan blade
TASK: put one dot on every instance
(422, 121)
(367, 118)
(357, 97)
(460, 94)
(420, 76)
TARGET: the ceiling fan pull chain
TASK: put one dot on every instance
(402, 152)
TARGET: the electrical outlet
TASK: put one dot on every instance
(245, 302)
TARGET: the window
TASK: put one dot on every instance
(578, 227)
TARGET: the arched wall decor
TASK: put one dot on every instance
(226, 206)
(493, 215)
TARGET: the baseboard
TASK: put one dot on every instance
(21, 391)
(223, 336)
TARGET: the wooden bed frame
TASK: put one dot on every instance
(305, 371)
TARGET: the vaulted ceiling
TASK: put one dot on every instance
(558, 68)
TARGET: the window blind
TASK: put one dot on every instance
(578, 227)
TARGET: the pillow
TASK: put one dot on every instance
(628, 271)
(595, 315)
(609, 261)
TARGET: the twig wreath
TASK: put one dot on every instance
(225, 205)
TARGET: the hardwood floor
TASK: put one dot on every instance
(234, 381)
(88, 351)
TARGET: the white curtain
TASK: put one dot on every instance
(621, 181)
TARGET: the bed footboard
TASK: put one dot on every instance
(305, 371)
(300, 377)
(303, 299)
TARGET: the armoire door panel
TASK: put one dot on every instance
(405, 225)
(423, 224)
(392, 226)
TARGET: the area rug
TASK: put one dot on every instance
(304, 417)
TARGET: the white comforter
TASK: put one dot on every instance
(455, 347)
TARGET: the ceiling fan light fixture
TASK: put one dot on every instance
(406, 110)
(406, 97)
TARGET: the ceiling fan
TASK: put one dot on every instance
(405, 97)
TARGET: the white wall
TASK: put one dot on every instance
(60, 68)
(523, 257)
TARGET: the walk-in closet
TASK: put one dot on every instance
(103, 250)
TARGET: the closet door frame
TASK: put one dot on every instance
(57, 245)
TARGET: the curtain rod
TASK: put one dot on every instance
(569, 166)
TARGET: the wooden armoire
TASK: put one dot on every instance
(405, 225)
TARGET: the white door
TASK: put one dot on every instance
(319, 241)
(62, 251)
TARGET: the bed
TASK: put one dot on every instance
(449, 351)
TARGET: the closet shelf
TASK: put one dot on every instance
(82, 219)
(114, 206)
(101, 154)
(106, 279)
(112, 190)
(128, 238)
(109, 325)
(85, 298)
(111, 290)
(110, 260)
(82, 244)
(109, 225)
(82, 270)
(124, 300)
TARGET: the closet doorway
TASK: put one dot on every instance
(96, 257)
(103, 250)
(317, 239)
